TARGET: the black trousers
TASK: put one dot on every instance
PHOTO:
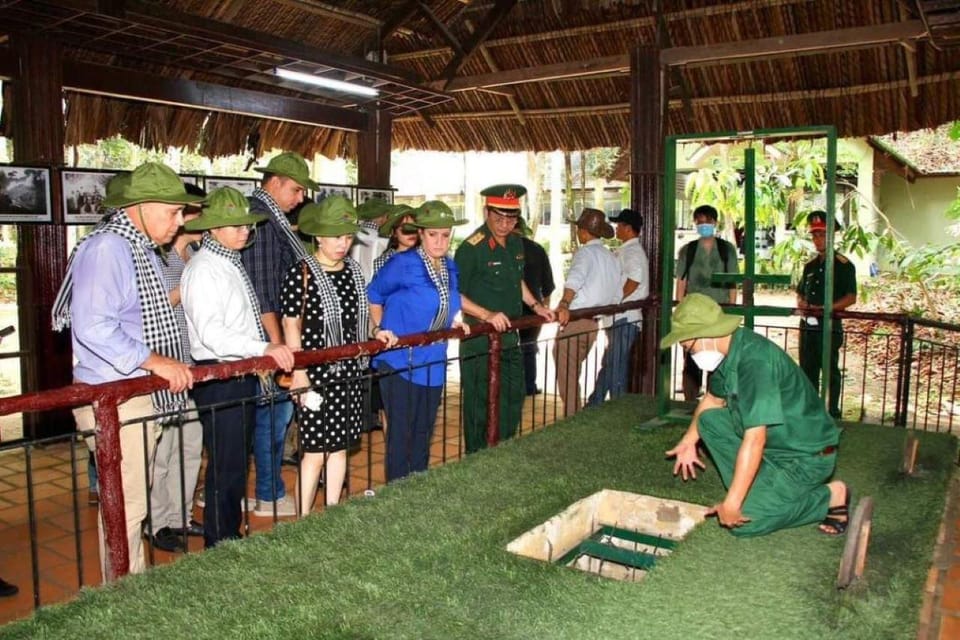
(529, 348)
(227, 412)
(412, 413)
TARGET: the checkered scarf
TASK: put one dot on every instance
(330, 301)
(382, 259)
(161, 332)
(209, 243)
(441, 280)
(281, 219)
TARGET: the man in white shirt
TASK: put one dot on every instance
(368, 244)
(615, 366)
(595, 279)
(224, 323)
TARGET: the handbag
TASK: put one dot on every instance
(285, 380)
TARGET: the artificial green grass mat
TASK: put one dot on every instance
(425, 558)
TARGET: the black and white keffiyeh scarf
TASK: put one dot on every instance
(161, 331)
(281, 219)
(441, 280)
(210, 244)
(330, 302)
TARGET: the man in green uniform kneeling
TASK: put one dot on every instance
(490, 262)
(764, 425)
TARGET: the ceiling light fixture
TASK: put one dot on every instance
(328, 83)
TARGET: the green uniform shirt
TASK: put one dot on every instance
(763, 386)
(812, 283)
(491, 274)
(705, 264)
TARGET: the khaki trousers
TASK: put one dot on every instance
(134, 472)
(573, 343)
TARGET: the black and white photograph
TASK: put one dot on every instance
(365, 194)
(191, 178)
(83, 194)
(326, 190)
(246, 186)
(25, 194)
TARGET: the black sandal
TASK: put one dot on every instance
(838, 527)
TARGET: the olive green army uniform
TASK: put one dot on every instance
(763, 386)
(811, 289)
(491, 276)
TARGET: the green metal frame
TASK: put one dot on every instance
(749, 277)
(596, 548)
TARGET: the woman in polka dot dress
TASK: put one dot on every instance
(324, 305)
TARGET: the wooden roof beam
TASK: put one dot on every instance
(796, 45)
(145, 87)
(154, 14)
(511, 98)
(330, 11)
(442, 28)
(846, 91)
(562, 70)
(398, 18)
(490, 21)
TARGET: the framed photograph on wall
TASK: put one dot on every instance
(364, 194)
(191, 178)
(326, 190)
(25, 194)
(82, 192)
(246, 186)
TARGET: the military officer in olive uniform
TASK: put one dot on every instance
(490, 262)
(810, 296)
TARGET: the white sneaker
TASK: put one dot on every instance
(285, 508)
(249, 504)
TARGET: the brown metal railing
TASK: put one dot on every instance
(105, 399)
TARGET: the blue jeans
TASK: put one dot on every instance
(615, 366)
(270, 429)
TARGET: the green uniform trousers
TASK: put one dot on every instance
(811, 343)
(473, 384)
(789, 490)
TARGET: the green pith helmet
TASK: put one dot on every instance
(373, 208)
(150, 182)
(335, 216)
(399, 212)
(434, 214)
(698, 316)
(290, 165)
(225, 207)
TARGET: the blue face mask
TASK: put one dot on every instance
(706, 230)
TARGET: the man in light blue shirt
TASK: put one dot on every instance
(123, 326)
(595, 279)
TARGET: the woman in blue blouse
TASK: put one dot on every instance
(415, 291)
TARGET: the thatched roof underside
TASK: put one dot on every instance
(865, 91)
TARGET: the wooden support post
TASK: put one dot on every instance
(647, 118)
(373, 151)
(38, 129)
(910, 449)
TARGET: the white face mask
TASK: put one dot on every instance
(708, 359)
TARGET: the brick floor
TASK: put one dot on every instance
(940, 615)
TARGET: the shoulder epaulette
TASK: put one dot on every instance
(476, 238)
(841, 258)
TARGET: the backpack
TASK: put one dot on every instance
(723, 247)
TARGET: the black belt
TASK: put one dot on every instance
(828, 450)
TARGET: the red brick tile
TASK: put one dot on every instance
(951, 598)
(949, 628)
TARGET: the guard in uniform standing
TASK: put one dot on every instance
(810, 296)
(490, 262)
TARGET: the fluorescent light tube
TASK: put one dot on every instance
(328, 83)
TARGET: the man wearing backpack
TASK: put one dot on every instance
(696, 264)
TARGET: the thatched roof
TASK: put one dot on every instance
(870, 89)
